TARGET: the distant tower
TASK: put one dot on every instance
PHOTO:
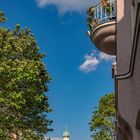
(66, 135)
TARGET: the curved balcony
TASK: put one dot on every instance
(102, 25)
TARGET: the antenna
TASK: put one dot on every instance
(66, 128)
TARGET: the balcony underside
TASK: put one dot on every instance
(104, 37)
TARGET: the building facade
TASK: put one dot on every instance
(114, 29)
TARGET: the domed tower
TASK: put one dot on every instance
(66, 135)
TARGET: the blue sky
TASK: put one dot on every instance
(81, 74)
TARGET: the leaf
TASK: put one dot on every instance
(102, 124)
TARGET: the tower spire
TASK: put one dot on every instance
(66, 134)
(66, 128)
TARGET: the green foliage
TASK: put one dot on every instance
(2, 17)
(90, 20)
(23, 86)
(102, 124)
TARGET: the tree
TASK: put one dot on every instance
(102, 124)
(23, 85)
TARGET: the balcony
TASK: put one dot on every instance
(102, 26)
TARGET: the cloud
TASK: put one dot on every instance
(106, 57)
(93, 60)
(64, 6)
(89, 64)
(55, 138)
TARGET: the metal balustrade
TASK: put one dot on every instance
(101, 13)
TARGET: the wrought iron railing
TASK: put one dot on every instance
(101, 13)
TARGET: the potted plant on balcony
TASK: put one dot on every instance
(91, 11)
(92, 23)
(108, 7)
(104, 3)
(91, 19)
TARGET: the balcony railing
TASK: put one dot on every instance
(101, 13)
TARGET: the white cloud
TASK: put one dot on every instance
(93, 60)
(89, 64)
(106, 57)
(68, 5)
(55, 138)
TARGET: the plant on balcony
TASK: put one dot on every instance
(92, 22)
(107, 5)
(104, 3)
(91, 11)
(101, 13)
(108, 10)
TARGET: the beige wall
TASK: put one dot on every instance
(124, 36)
(128, 88)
